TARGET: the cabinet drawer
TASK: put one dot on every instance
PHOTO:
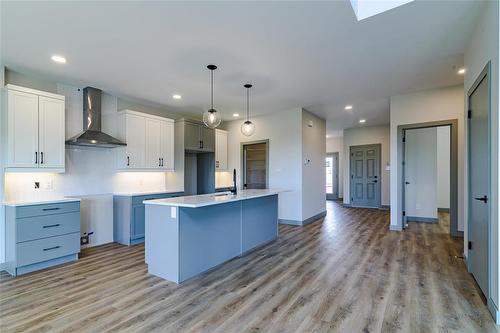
(47, 248)
(47, 209)
(140, 199)
(31, 228)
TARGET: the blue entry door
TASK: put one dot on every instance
(365, 176)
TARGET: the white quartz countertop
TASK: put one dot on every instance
(39, 202)
(139, 193)
(196, 201)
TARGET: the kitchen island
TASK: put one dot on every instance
(188, 235)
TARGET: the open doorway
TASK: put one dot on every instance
(429, 179)
(255, 157)
(332, 176)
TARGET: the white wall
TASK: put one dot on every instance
(313, 165)
(443, 166)
(283, 130)
(367, 136)
(336, 145)
(420, 107)
(484, 47)
(421, 173)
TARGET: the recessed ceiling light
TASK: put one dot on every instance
(59, 59)
(348, 107)
(176, 96)
(362, 121)
(236, 115)
(461, 71)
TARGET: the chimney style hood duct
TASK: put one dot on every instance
(92, 135)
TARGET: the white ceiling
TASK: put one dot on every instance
(297, 54)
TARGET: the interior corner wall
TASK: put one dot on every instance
(313, 165)
(367, 136)
(284, 132)
(2, 166)
(482, 48)
(336, 145)
(421, 107)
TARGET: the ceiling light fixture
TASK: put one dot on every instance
(248, 128)
(59, 59)
(348, 107)
(362, 121)
(176, 96)
(210, 118)
(236, 115)
(461, 71)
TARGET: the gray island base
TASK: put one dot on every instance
(186, 236)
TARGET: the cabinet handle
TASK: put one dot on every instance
(36, 157)
(162, 162)
(128, 160)
(47, 209)
(41, 157)
(51, 226)
(51, 248)
(159, 162)
(201, 144)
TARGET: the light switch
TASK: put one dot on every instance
(173, 212)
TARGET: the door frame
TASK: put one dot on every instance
(334, 196)
(453, 123)
(242, 161)
(486, 72)
(379, 203)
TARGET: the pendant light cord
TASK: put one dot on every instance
(211, 89)
(248, 103)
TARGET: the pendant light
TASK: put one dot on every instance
(211, 118)
(247, 128)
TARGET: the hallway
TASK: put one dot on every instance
(347, 273)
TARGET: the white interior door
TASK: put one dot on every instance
(167, 145)
(479, 181)
(136, 142)
(153, 143)
(331, 163)
(23, 130)
(51, 132)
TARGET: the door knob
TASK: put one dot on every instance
(483, 199)
(375, 181)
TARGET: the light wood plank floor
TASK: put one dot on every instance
(347, 273)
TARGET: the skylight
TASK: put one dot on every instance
(367, 8)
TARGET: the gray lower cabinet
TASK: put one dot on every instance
(129, 216)
(40, 236)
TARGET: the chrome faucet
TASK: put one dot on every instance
(234, 190)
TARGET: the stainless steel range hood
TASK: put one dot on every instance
(92, 135)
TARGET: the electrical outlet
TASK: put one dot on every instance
(37, 185)
(49, 185)
(84, 240)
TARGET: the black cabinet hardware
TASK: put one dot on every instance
(51, 248)
(51, 226)
(48, 209)
(128, 160)
(36, 157)
(41, 157)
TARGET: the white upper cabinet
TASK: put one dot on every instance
(167, 145)
(153, 143)
(220, 150)
(35, 130)
(149, 139)
(51, 133)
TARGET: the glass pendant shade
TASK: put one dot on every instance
(247, 128)
(211, 118)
